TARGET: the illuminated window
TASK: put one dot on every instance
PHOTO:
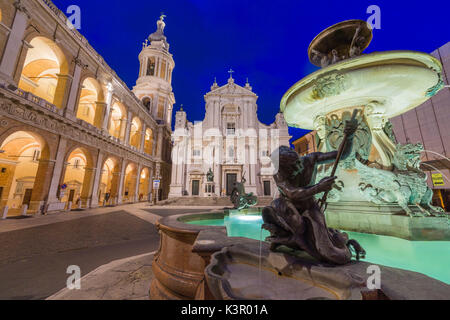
(151, 67)
(147, 103)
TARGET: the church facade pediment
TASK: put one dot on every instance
(231, 89)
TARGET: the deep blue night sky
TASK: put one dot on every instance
(265, 41)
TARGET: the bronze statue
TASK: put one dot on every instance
(240, 199)
(295, 219)
(210, 176)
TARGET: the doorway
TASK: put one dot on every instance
(195, 187)
(231, 180)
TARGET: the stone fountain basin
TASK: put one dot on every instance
(399, 80)
(235, 274)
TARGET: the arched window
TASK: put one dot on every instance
(151, 66)
(147, 103)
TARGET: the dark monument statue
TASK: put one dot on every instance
(295, 219)
(210, 176)
(240, 199)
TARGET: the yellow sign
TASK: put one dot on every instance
(438, 179)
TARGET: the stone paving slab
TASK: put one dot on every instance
(126, 279)
(41, 220)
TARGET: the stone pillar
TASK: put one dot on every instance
(176, 186)
(159, 142)
(61, 92)
(98, 176)
(150, 185)
(121, 180)
(107, 118)
(158, 177)
(14, 43)
(115, 182)
(74, 92)
(128, 129)
(88, 186)
(137, 183)
(142, 144)
(44, 179)
(58, 170)
(100, 110)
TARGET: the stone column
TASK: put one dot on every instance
(128, 129)
(88, 186)
(41, 185)
(61, 91)
(137, 183)
(154, 142)
(160, 142)
(121, 180)
(98, 176)
(100, 110)
(142, 144)
(177, 164)
(58, 171)
(106, 119)
(74, 91)
(158, 177)
(14, 42)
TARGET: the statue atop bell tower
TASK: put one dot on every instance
(154, 84)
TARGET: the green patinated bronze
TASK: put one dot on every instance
(240, 199)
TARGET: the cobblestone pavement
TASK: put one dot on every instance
(33, 261)
(126, 279)
(36, 252)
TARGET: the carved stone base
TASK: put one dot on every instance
(389, 220)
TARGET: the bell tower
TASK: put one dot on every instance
(154, 84)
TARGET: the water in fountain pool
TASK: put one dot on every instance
(428, 257)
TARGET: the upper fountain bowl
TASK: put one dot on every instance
(385, 83)
(391, 82)
(339, 40)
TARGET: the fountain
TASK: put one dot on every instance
(379, 189)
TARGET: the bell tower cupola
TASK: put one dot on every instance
(154, 84)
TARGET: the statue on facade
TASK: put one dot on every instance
(240, 199)
(295, 219)
(210, 176)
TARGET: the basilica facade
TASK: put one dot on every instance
(230, 145)
(71, 132)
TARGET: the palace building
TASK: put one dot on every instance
(71, 131)
(229, 145)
